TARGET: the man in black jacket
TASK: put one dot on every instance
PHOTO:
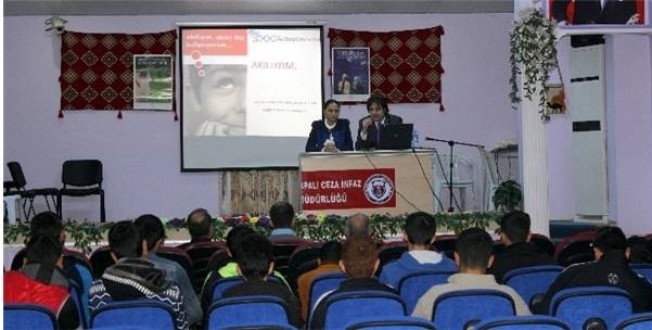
(370, 126)
(519, 251)
(609, 269)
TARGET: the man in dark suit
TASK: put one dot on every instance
(596, 12)
(370, 126)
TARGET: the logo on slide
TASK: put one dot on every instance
(378, 189)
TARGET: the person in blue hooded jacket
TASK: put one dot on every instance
(420, 231)
(331, 134)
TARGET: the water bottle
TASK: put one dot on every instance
(415, 139)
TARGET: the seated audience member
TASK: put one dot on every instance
(200, 227)
(281, 215)
(255, 264)
(610, 268)
(359, 262)
(42, 282)
(640, 250)
(473, 255)
(519, 251)
(329, 259)
(134, 277)
(419, 232)
(331, 134)
(48, 223)
(370, 126)
(154, 235)
(234, 246)
(357, 225)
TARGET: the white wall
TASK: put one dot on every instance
(140, 152)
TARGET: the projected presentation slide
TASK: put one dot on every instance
(246, 90)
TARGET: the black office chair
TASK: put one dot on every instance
(18, 187)
(82, 178)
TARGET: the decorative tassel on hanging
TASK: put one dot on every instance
(60, 113)
(119, 114)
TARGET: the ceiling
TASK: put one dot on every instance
(249, 7)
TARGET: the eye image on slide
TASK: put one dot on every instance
(215, 100)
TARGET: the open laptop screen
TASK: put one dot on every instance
(396, 137)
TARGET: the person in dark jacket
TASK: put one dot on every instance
(370, 126)
(331, 134)
(42, 282)
(255, 264)
(519, 251)
(609, 269)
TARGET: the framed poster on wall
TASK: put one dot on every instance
(350, 79)
(152, 82)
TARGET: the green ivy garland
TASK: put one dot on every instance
(533, 54)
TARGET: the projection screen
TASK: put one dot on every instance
(248, 94)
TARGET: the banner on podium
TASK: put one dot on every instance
(348, 189)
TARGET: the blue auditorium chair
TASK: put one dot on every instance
(392, 323)
(644, 270)
(533, 280)
(455, 309)
(346, 307)
(412, 286)
(143, 313)
(248, 312)
(576, 306)
(322, 284)
(640, 321)
(28, 316)
(523, 322)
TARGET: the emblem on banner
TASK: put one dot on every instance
(378, 189)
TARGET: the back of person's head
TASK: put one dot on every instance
(379, 100)
(330, 252)
(420, 228)
(46, 223)
(281, 214)
(359, 257)
(610, 238)
(199, 223)
(151, 228)
(234, 238)
(357, 225)
(640, 250)
(43, 249)
(516, 226)
(125, 240)
(255, 256)
(473, 249)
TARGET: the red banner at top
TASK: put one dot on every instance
(348, 189)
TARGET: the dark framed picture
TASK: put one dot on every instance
(350, 79)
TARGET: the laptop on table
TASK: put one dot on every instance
(396, 137)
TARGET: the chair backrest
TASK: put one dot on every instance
(530, 281)
(75, 295)
(577, 305)
(282, 249)
(641, 321)
(455, 309)
(200, 254)
(543, 243)
(101, 259)
(177, 255)
(523, 322)
(445, 244)
(412, 286)
(392, 323)
(302, 260)
(223, 284)
(82, 173)
(644, 270)
(576, 252)
(390, 252)
(345, 308)
(139, 313)
(246, 311)
(322, 284)
(462, 167)
(27, 316)
(17, 175)
(218, 260)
